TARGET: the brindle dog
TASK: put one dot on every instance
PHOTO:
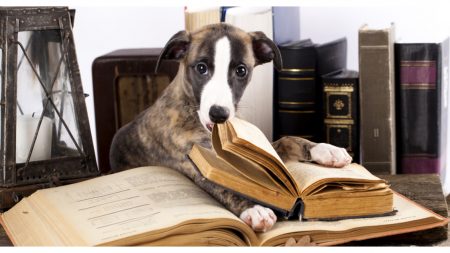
(216, 64)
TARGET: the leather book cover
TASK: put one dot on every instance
(295, 91)
(298, 106)
(340, 91)
(419, 106)
(377, 99)
(332, 56)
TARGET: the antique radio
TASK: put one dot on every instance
(125, 84)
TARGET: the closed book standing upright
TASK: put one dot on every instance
(197, 17)
(295, 89)
(340, 90)
(420, 106)
(377, 99)
(299, 93)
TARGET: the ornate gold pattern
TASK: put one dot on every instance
(349, 114)
(339, 104)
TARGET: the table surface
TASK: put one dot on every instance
(424, 189)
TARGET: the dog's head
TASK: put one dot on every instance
(218, 62)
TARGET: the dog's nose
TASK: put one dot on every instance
(218, 114)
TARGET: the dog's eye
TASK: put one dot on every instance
(241, 71)
(201, 68)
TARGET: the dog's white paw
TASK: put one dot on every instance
(260, 218)
(329, 155)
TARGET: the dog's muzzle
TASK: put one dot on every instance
(217, 114)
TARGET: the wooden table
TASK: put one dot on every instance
(425, 189)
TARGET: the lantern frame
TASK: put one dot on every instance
(42, 173)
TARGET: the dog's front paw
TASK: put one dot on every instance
(329, 155)
(260, 218)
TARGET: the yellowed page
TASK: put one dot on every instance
(24, 227)
(251, 134)
(249, 169)
(253, 145)
(130, 203)
(408, 216)
(225, 174)
(308, 174)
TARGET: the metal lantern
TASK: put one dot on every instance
(45, 134)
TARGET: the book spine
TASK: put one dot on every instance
(377, 97)
(418, 112)
(341, 113)
(295, 105)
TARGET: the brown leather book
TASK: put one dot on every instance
(377, 111)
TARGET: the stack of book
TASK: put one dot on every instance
(401, 129)
(316, 96)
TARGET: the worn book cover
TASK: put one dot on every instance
(341, 110)
(421, 106)
(298, 106)
(377, 99)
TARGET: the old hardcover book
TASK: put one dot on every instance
(419, 82)
(295, 91)
(298, 87)
(196, 17)
(245, 162)
(159, 206)
(377, 122)
(340, 91)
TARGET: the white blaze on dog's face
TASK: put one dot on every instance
(216, 100)
(217, 61)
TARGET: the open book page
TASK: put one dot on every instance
(25, 227)
(142, 200)
(252, 144)
(410, 217)
(251, 134)
(248, 168)
(311, 174)
(225, 174)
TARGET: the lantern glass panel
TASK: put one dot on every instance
(46, 122)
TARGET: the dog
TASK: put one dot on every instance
(216, 64)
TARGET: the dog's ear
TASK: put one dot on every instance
(175, 49)
(265, 50)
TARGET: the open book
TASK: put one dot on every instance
(159, 206)
(245, 162)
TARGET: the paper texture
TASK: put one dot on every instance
(129, 203)
(408, 211)
(307, 174)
